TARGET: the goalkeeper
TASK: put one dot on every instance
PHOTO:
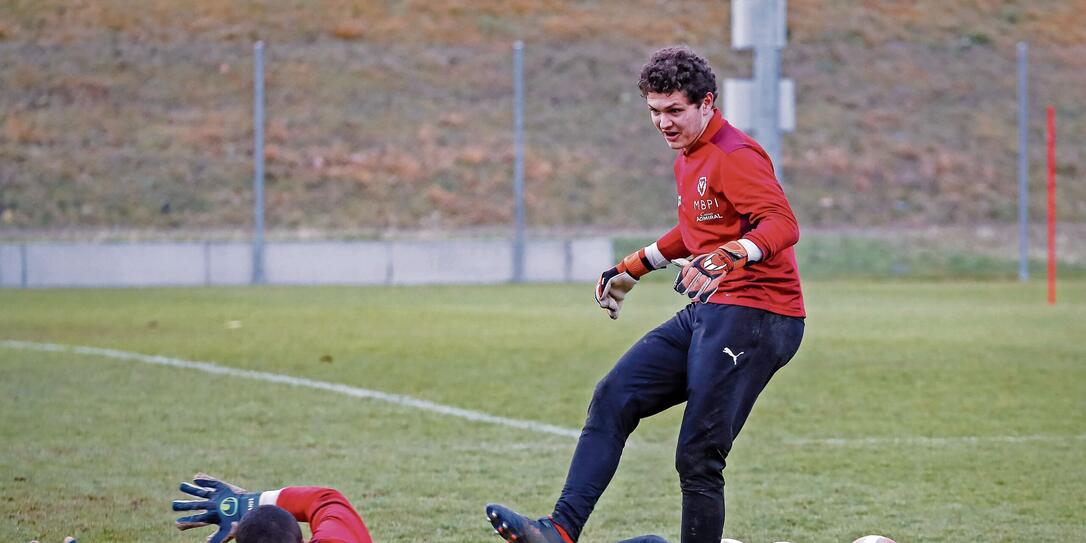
(734, 240)
(271, 516)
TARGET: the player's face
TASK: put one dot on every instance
(678, 119)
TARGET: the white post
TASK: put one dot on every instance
(767, 75)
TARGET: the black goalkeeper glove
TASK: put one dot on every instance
(224, 505)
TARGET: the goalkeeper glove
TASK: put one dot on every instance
(616, 283)
(223, 504)
(700, 278)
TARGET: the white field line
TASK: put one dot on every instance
(207, 367)
(477, 416)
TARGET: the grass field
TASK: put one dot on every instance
(926, 411)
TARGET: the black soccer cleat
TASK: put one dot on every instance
(517, 528)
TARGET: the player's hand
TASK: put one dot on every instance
(612, 289)
(700, 277)
(223, 504)
(615, 283)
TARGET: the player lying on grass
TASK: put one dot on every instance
(271, 516)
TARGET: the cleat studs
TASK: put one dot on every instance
(493, 515)
(505, 526)
(513, 537)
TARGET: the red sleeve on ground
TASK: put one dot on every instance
(331, 517)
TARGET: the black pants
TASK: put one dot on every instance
(717, 358)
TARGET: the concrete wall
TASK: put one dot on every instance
(298, 263)
(11, 265)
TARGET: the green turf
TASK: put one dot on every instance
(95, 447)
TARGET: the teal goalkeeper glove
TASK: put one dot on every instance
(223, 504)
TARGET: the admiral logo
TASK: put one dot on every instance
(702, 182)
(709, 217)
(680, 200)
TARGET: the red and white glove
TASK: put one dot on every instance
(616, 283)
(701, 276)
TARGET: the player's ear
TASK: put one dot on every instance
(707, 102)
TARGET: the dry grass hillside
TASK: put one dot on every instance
(397, 115)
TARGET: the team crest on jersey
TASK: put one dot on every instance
(702, 182)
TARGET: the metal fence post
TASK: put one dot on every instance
(1023, 161)
(24, 273)
(390, 270)
(567, 260)
(207, 263)
(258, 163)
(518, 150)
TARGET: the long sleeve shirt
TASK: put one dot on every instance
(331, 517)
(727, 190)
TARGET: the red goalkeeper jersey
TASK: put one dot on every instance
(727, 190)
(330, 516)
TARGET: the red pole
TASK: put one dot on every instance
(1051, 139)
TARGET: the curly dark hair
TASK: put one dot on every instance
(678, 68)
